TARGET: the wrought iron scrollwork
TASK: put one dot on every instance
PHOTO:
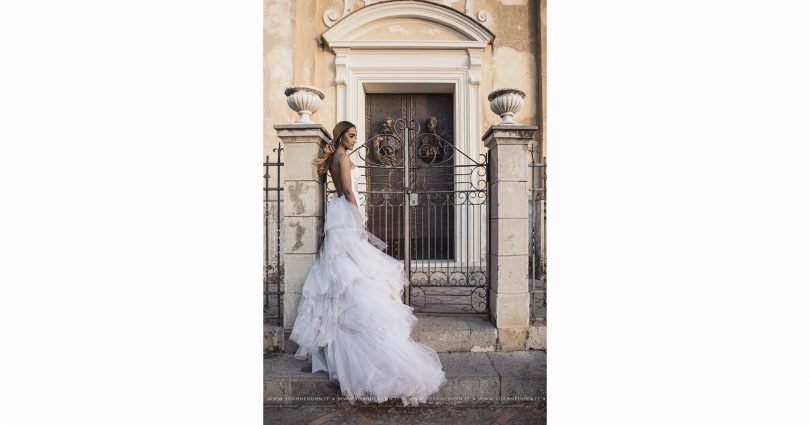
(429, 146)
(386, 147)
(430, 208)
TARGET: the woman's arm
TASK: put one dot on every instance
(345, 165)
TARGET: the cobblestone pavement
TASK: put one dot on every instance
(517, 414)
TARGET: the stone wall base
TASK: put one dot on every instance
(273, 339)
(512, 339)
(537, 337)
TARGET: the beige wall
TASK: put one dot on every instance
(292, 29)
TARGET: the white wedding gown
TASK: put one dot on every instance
(351, 320)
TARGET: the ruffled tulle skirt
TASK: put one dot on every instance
(351, 320)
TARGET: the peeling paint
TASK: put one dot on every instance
(514, 2)
(299, 235)
(295, 189)
(398, 28)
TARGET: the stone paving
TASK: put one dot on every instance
(472, 378)
(483, 386)
(521, 414)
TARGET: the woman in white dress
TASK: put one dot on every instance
(351, 320)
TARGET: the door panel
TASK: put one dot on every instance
(426, 199)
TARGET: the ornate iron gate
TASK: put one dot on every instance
(428, 201)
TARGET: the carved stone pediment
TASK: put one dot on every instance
(407, 24)
(331, 15)
(412, 29)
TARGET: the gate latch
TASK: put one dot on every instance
(414, 199)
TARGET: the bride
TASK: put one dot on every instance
(351, 321)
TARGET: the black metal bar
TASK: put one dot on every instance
(279, 267)
(273, 276)
(266, 239)
(537, 255)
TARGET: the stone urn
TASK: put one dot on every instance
(304, 99)
(506, 103)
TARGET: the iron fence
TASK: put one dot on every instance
(428, 201)
(273, 268)
(537, 236)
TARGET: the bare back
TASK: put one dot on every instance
(337, 173)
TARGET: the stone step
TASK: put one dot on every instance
(472, 378)
(443, 333)
(455, 333)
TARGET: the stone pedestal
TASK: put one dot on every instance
(303, 208)
(509, 243)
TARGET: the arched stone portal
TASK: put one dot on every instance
(408, 62)
(409, 47)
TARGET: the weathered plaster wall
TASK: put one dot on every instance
(293, 55)
(542, 70)
(278, 66)
(513, 61)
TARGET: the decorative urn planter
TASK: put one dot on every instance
(506, 103)
(304, 99)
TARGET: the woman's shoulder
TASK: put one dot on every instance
(343, 161)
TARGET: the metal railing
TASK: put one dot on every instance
(428, 201)
(537, 238)
(273, 268)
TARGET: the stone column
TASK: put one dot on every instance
(509, 243)
(303, 208)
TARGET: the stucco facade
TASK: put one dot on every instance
(352, 49)
(294, 53)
